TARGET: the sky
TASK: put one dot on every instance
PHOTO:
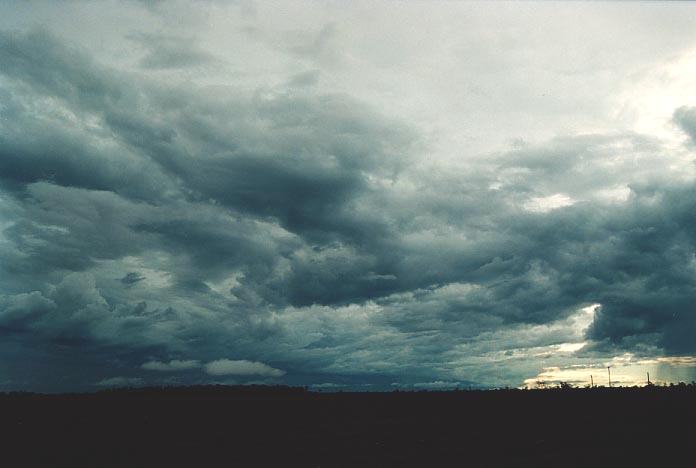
(346, 195)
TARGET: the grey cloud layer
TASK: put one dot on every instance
(283, 233)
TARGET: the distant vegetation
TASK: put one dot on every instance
(285, 390)
(259, 426)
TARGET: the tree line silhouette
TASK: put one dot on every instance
(259, 426)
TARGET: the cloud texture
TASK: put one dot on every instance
(194, 224)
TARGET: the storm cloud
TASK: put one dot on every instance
(168, 216)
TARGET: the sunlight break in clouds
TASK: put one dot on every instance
(626, 371)
(546, 204)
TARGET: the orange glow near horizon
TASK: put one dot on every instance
(626, 371)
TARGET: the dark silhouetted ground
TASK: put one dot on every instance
(283, 427)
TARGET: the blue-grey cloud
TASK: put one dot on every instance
(171, 52)
(155, 226)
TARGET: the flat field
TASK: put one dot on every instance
(284, 427)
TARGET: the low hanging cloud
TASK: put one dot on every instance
(241, 368)
(217, 367)
(132, 278)
(172, 366)
(120, 382)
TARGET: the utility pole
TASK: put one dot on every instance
(609, 371)
(591, 381)
(649, 384)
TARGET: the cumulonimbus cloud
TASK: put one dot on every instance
(153, 217)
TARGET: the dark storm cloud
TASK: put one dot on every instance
(41, 70)
(132, 278)
(196, 167)
(685, 117)
(216, 140)
(649, 272)
(291, 232)
(303, 177)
